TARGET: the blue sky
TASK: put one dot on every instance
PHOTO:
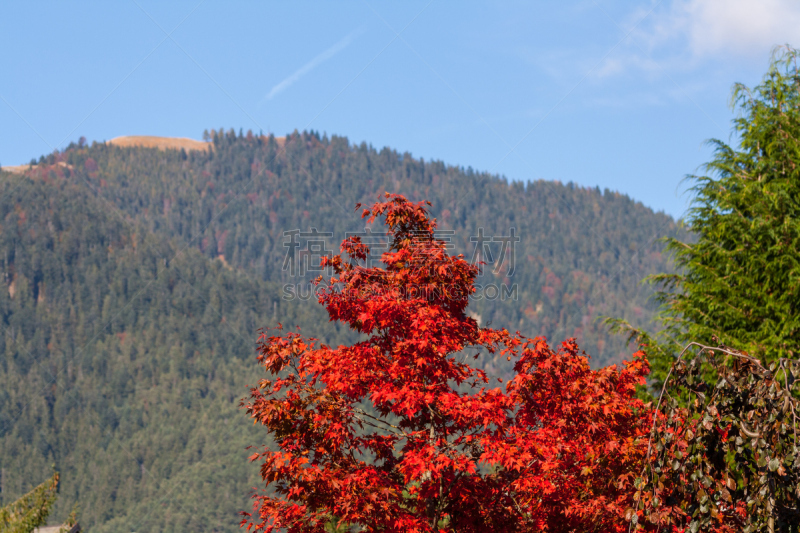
(619, 95)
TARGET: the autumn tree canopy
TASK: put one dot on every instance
(398, 432)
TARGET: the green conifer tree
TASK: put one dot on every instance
(738, 284)
(31, 510)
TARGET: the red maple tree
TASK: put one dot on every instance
(399, 433)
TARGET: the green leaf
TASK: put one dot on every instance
(774, 464)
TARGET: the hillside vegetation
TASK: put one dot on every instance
(136, 279)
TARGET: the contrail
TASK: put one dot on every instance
(305, 69)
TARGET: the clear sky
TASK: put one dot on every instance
(614, 94)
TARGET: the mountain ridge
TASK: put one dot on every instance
(141, 277)
(162, 143)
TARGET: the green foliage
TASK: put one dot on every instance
(725, 451)
(739, 282)
(31, 510)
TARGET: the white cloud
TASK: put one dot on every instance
(308, 67)
(750, 27)
(683, 34)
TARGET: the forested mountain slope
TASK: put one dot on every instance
(136, 280)
(123, 362)
(581, 252)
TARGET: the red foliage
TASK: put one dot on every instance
(399, 433)
(90, 165)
